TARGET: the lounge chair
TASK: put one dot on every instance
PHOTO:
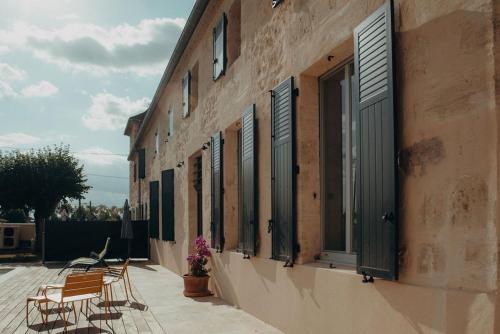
(88, 262)
(78, 287)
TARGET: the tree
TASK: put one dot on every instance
(39, 180)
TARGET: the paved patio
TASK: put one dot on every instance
(160, 307)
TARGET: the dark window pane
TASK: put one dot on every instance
(334, 142)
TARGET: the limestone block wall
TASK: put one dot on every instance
(447, 78)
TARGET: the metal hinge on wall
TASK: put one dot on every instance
(296, 92)
(269, 226)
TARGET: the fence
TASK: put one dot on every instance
(69, 240)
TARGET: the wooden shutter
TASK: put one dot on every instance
(186, 91)
(154, 209)
(374, 101)
(217, 224)
(142, 163)
(219, 48)
(167, 205)
(283, 172)
(248, 181)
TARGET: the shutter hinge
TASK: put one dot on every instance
(296, 91)
(297, 248)
(367, 279)
(223, 191)
(288, 263)
(269, 226)
(297, 169)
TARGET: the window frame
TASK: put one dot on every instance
(223, 22)
(349, 256)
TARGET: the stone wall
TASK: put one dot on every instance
(447, 75)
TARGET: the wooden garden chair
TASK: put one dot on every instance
(78, 287)
(113, 275)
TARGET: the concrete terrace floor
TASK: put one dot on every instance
(160, 306)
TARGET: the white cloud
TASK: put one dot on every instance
(110, 112)
(100, 157)
(142, 49)
(17, 139)
(10, 73)
(6, 90)
(4, 49)
(41, 89)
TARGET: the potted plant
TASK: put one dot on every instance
(196, 282)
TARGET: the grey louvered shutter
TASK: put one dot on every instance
(217, 224)
(248, 182)
(219, 48)
(154, 209)
(142, 163)
(186, 92)
(283, 172)
(167, 205)
(374, 102)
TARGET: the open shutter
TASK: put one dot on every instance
(217, 225)
(374, 101)
(283, 172)
(186, 92)
(142, 163)
(167, 205)
(219, 48)
(248, 181)
(154, 209)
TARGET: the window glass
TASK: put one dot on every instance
(338, 163)
(157, 142)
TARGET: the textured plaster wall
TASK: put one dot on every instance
(447, 78)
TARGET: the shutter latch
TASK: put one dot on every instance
(388, 217)
(269, 226)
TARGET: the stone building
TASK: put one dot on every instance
(340, 156)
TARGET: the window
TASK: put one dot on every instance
(219, 48)
(234, 33)
(338, 156)
(186, 81)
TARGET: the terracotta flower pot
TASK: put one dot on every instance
(195, 286)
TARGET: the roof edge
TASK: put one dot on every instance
(191, 24)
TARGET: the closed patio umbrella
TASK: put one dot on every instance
(127, 231)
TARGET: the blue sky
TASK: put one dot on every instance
(72, 71)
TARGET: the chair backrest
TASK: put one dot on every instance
(124, 268)
(103, 253)
(83, 283)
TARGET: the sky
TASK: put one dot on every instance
(73, 71)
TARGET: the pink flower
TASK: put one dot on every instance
(199, 258)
